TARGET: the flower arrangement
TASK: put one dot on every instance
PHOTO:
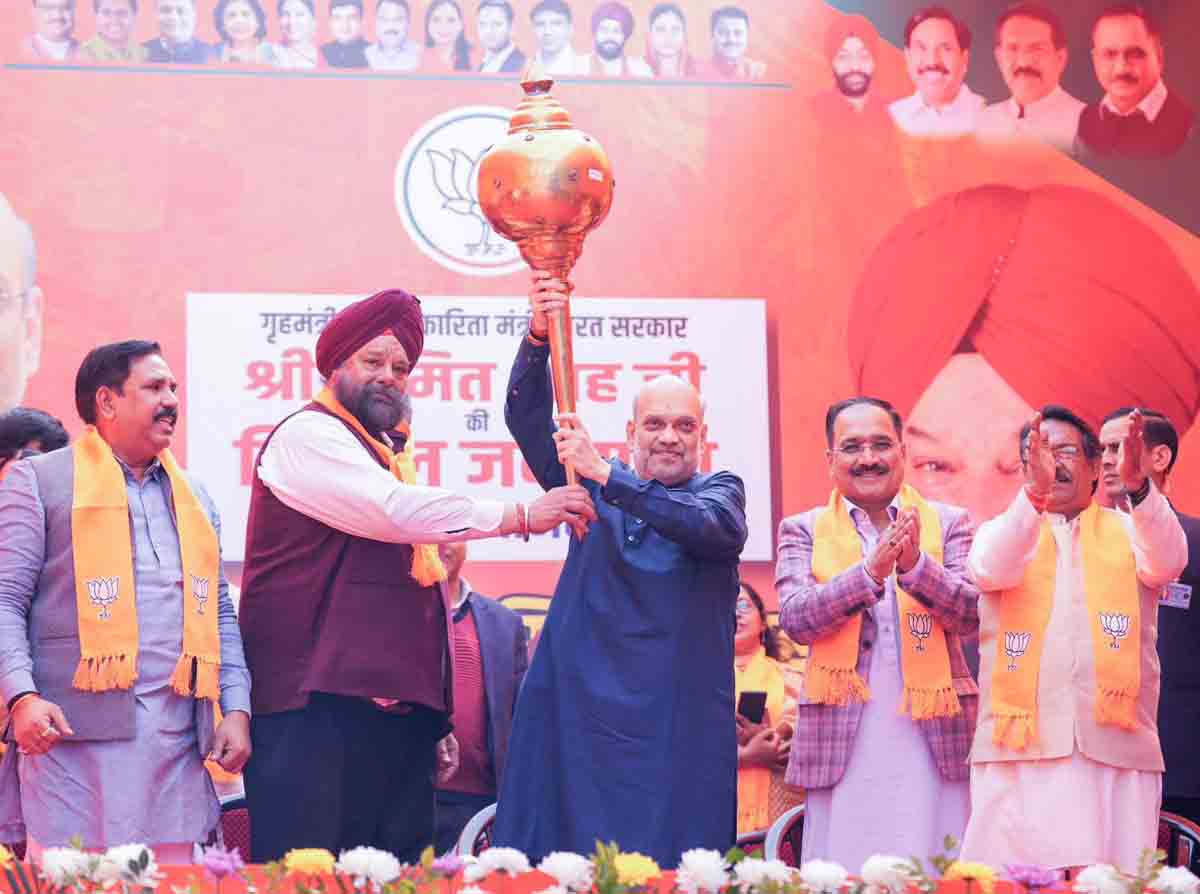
(132, 869)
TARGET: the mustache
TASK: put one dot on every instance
(941, 69)
(172, 414)
(1026, 70)
(873, 469)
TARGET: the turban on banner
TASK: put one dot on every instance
(391, 310)
(850, 26)
(611, 10)
(1069, 297)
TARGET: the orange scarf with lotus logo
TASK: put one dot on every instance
(427, 567)
(105, 599)
(1111, 587)
(832, 677)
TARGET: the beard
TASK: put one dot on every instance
(377, 407)
(853, 84)
(609, 49)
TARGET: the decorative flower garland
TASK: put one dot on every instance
(132, 869)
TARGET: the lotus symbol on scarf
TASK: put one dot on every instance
(200, 592)
(920, 625)
(1116, 625)
(1015, 645)
(103, 591)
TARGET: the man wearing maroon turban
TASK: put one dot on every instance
(612, 26)
(992, 301)
(342, 617)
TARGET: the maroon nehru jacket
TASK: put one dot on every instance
(324, 611)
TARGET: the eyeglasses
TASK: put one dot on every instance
(743, 605)
(853, 449)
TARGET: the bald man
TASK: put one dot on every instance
(20, 308)
(623, 728)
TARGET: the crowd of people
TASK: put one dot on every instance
(444, 44)
(1136, 116)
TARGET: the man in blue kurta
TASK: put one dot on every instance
(624, 727)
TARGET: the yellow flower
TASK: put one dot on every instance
(976, 872)
(635, 869)
(6, 858)
(309, 861)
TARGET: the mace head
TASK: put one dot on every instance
(546, 184)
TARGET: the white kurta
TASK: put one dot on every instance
(1062, 808)
(890, 767)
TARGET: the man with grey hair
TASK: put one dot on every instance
(20, 307)
(176, 41)
(622, 731)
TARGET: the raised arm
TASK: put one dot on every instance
(809, 610)
(946, 588)
(1005, 545)
(529, 413)
(1160, 547)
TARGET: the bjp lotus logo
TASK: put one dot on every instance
(1015, 645)
(437, 193)
(200, 592)
(103, 591)
(920, 625)
(1116, 625)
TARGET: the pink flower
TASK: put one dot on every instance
(1032, 876)
(221, 862)
(448, 864)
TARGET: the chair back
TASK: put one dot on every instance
(1180, 838)
(235, 826)
(476, 835)
(785, 837)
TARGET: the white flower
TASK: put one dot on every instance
(1175, 880)
(821, 875)
(368, 864)
(63, 865)
(884, 873)
(131, 863)
(496, 859)
(754, 872)
(1100, 878)
(701, 870)
(571, 871)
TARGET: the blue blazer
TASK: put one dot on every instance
(504, 647)
(1179, 703)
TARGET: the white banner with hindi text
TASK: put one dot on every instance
(251, 362)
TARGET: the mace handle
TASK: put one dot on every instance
(562, 368)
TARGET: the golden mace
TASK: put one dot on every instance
(545, 186)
